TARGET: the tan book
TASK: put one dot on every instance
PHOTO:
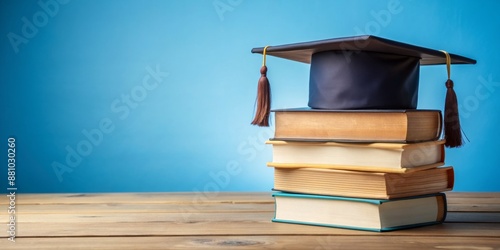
(373, 157)
(358, 125)
(363, 184)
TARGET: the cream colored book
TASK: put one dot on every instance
(374, 157)
(360, 214)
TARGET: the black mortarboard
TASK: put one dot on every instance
(362, 72)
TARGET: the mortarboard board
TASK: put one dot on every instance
(363, 72)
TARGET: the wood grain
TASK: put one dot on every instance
(225, 221)
(320, 242)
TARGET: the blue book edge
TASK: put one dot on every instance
(366, 200)
(379, 230)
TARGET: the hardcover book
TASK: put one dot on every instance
(373, 157)
(363, 184)
(358, 125)
(360, 214)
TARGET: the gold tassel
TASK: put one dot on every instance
(452, 129)
(263, 101)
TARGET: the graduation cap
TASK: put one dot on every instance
(363, 72)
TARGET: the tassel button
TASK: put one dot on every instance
(449, 84)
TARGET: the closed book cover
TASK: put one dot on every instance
(363, 184)
(373, 157)
(360, 214)
(403, 126)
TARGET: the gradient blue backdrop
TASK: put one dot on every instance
(67, 68)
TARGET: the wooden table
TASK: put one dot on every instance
(224, 221)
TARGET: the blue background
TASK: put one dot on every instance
(191, 132)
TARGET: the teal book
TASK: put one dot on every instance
(359, 213)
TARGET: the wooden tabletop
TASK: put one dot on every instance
(223, 221)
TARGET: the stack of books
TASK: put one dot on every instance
(376, 170)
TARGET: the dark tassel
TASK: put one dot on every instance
(263, 102)
(452, 130)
